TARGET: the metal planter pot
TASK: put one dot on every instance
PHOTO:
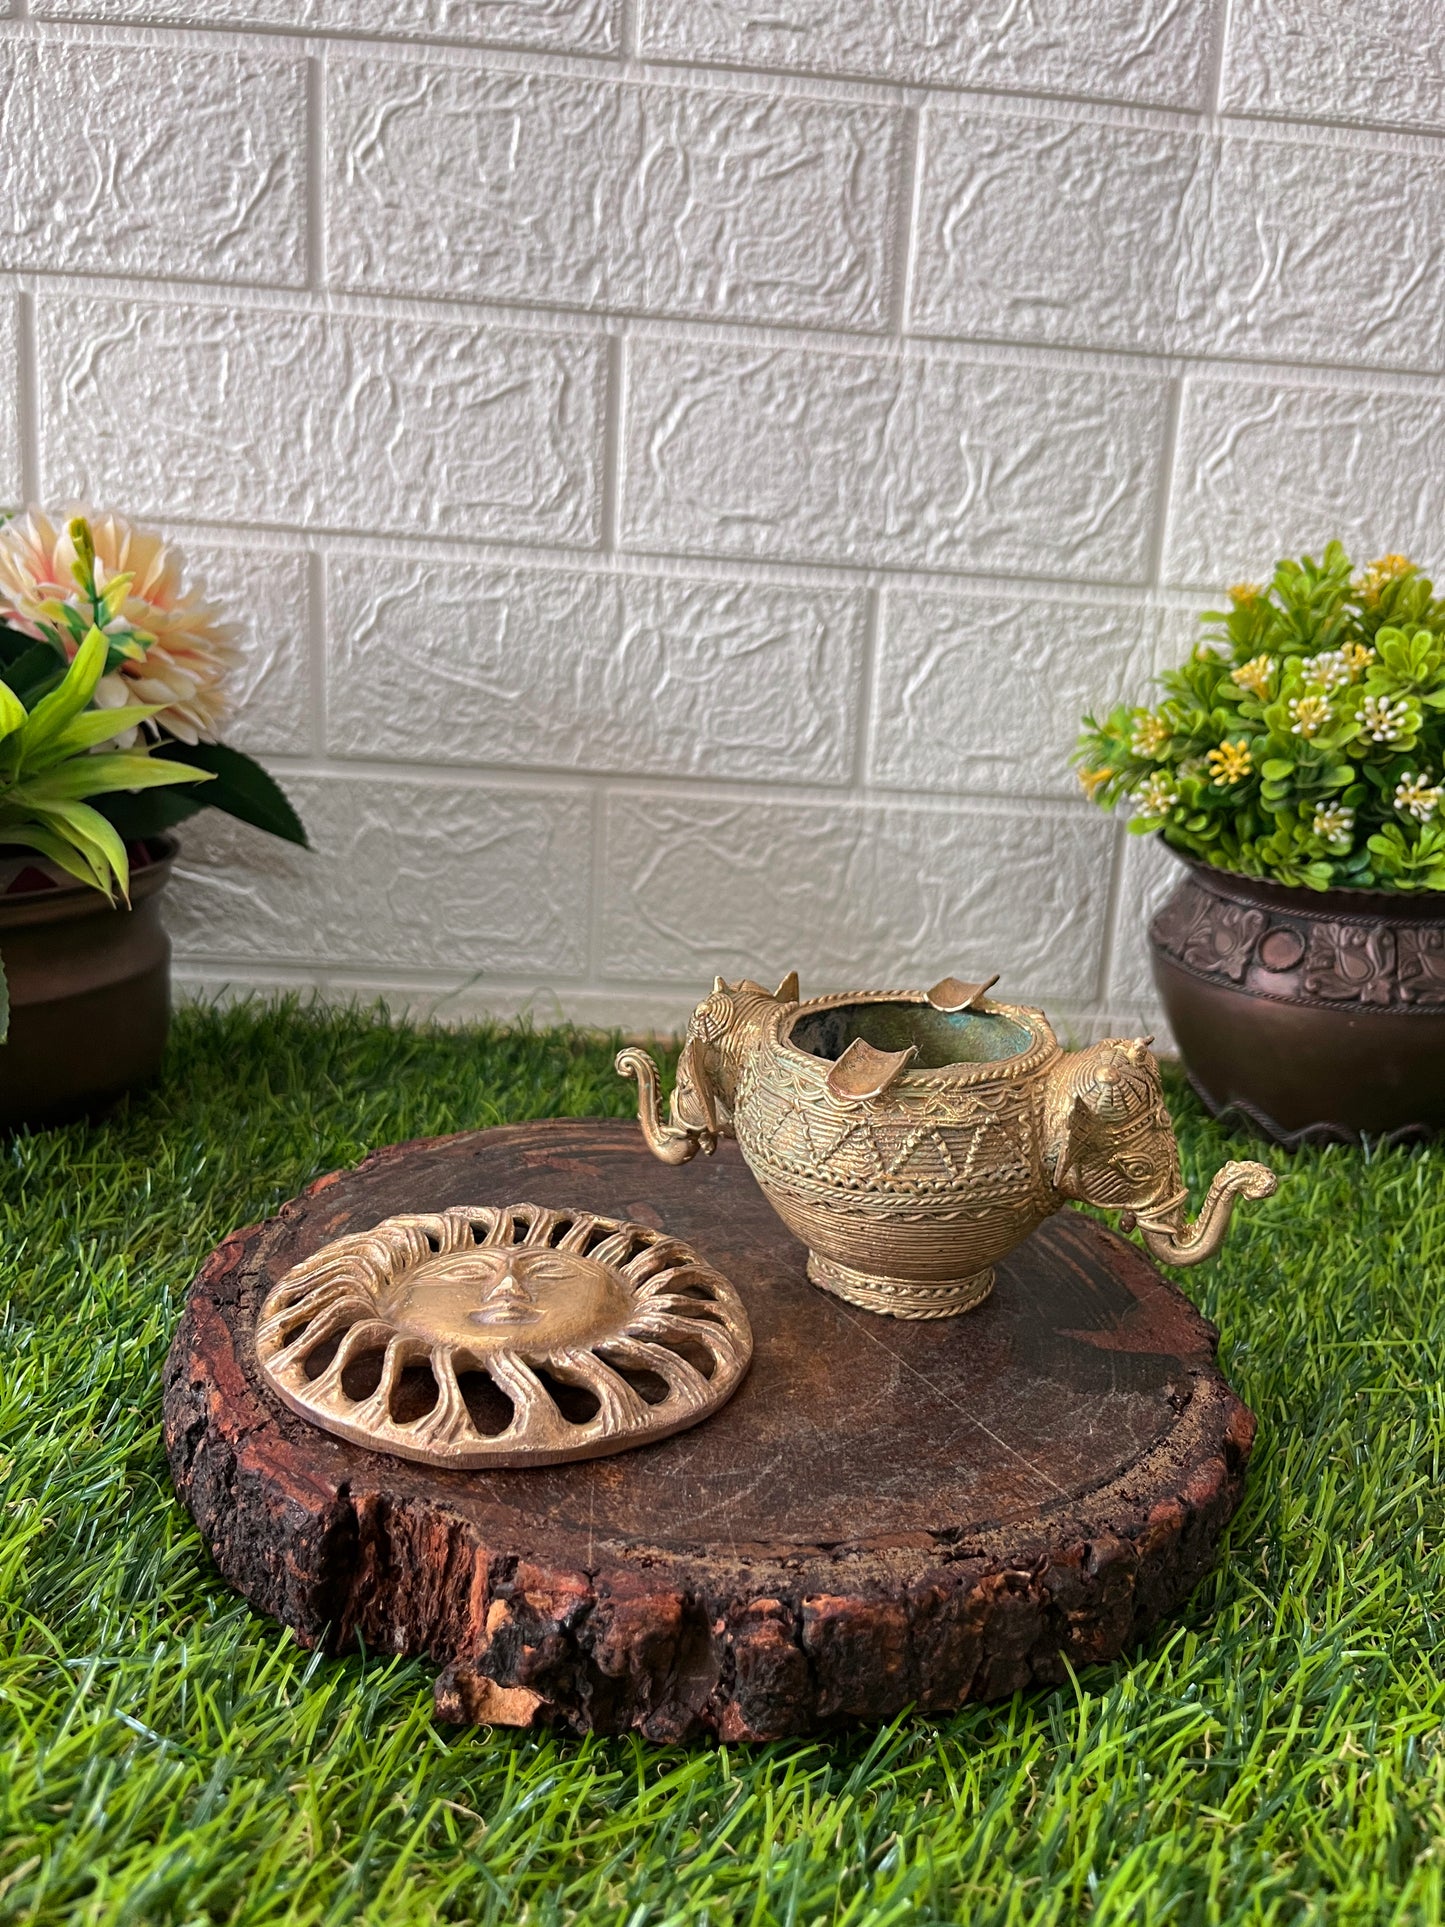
(1318, 1016)
(89, 992)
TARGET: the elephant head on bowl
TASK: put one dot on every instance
(1109, 1141)
(911, 1139)
(722, 1033)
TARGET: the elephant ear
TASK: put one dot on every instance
(1075, 1128)
(692, 1078)
(1111, 1085)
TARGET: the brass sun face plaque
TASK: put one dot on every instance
(503, 1335)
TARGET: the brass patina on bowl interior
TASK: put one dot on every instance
(968, 1045)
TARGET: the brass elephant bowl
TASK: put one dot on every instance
(912, 1139)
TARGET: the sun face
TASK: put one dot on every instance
(493, 1299)
(493, 1336)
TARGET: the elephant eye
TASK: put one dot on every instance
(1136, 1167)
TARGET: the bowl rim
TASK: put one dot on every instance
(1042, 1048)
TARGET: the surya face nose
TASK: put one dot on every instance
(509, 1288)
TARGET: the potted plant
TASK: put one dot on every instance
(112, 677)
(1294, 765)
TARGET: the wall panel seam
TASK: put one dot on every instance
(27, 398)
(720, 75)
(316, 168)
(504, 556)
(596, 880)
(316, 637)
(614, 443)
(910, 194)
(535, 319)
(865, 694)
(1219, 57)
(573, 780)
(687, 564)
(1163, 506)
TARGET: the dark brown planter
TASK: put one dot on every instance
(89, 992)
(1319, 1016)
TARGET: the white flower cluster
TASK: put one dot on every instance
(1384, 721)
(1332, 669)
(1329, 670)
(1417, 796)
(1334, 823)
(1157, 796)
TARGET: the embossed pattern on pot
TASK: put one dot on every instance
(1317, 1015)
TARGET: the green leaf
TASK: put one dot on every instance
(116, 591)
(122, 769)
(91, 728)
(88, 830)
(13, 643)
(53, 712)
(146, 813)
(12, 711)
(83, 542)
(129, 647)
(242, 789)
(63, 854)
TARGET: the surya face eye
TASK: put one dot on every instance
(547, 1270)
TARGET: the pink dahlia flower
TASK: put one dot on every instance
(177, 649)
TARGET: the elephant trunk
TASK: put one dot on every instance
(673, 1143)
(1174, 1241)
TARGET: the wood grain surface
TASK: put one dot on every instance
(885, 1513)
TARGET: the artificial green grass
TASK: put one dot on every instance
(168, 1756)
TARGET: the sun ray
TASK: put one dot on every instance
(368, 1336)
(683, 1380)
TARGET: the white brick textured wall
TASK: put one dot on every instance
(689, 464)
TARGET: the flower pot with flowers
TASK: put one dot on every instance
(1295, 767)
(112, 675)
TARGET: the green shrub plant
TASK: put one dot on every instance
(1303, 741)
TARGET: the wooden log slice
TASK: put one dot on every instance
(884, 1513)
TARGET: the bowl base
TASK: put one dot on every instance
(900, 1297)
